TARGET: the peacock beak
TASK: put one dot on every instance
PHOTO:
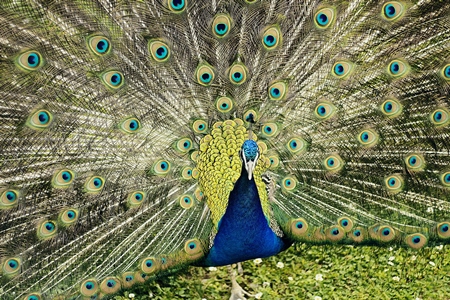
(250, 166)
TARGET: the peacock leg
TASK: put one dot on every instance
(237, 292)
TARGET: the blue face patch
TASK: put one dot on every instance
(250, 150)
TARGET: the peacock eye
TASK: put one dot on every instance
(63, 178)
(368, 138)
(186, 201)
(159, 50)
(224, 104)
(40, 119)
(277, 91)
(200, 126)
(94, 184)
(391, 108)
(342, 69)
(47, 229)
(238, 74)
(221, 25)
(177, 6)
(440, 117)
(9, 198)
(324, 110)
(161, 167)
(394, 183)
(333, 163)
(393, 10)
(29, 61)
(398, 68)
(99, 45)
(446, 72)
(324, 18)
(130, 125)
(113, 80)
(269, 130)
(205, 74)
(271, 38)
(183, 145)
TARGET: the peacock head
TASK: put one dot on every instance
(249, 154)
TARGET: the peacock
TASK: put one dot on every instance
(140, 137)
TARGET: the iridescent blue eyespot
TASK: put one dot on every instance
(299, 225)
(43, 117)
(49, 226)
(392, 182)
(129, 278)
(33, 297)
(334, 231)
(138, 196)
(339, 69)
(33, 60)
(89, 285)
(395, 68)
(330, 162)
(357, 232)
(115, 79)
(389, 11)
(177, 5)
(221, 28)
(110, 283)
(447, 72)
(97, 182)
(71, 214)
(237, 76)
(192, 245)
(206, 77)
(11, 196)
(321, 110)
(275, 92)
(66, 176)
(161, 52)
(386, 231)
(322, 19)
(270, 40)
(102, 46)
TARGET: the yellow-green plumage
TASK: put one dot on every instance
(125, 128)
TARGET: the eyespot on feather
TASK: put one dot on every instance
(63, 179)
(186, 201)
(161, 167)
(272, 38)
(324, 110)
(113, 80)
(9, 198)
(333, 163)
(68, 217)
(224, 104)
(346, 223)
(237, 73)
(416, 240)
(297, 145)
(440, 117)
(269, 129)
(443, 230)
(11, 266)
(30, 60)
(277, 91)
(40, 119)
(177, 6)
(110, 285)
(89, 287)
(298, 227)
(193, 249)
(394, 184)
(391, 108)
(94, 184)
(47, 229)
(130, 125)
(393, 11)
(415, 162)
(334, 233)
(358, 235)
(288, 183)
(99, 45)
(368, 138)
(398, 68)
(205, 74)
(324, 17)
(33, 296)
(221, 25)
(128, 279)
(159, 50)
(136, 198)
(342, 69)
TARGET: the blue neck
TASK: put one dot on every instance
(243, 231)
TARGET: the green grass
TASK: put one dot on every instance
(347, 272)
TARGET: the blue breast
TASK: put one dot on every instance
(243, 231)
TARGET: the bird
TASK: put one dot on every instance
(141, 137)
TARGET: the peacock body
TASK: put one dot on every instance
(138, 137)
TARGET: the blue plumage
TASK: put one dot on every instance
(244, 231)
